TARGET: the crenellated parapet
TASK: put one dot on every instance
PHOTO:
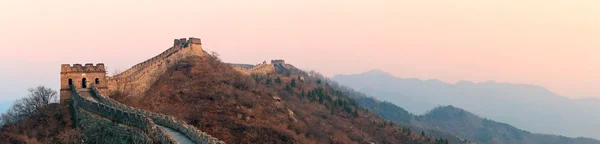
(262, 68)
(139, 78)
(179, 46)
(277, 61)
(81, 76)
(168, 121)
(195, 41)
(121, 116)
(93, 77)
(78, 68)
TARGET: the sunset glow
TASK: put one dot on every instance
(555, 44)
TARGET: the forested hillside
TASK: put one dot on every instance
(463, 124)
(528, 107)
(283, 106)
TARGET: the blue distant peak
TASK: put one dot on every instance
(377, 72)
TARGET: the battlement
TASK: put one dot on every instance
(184, 43)
(192, 132)
(195, 41)
(89, 67)
(115, 114)
(81, 76)
(181, 48)
(277, 61)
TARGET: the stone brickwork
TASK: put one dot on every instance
(192, 132)
(81, 77)
(96, 129)
(277, 61)
(138, 78)
(195, 41)
(121, 116)
(262, 68)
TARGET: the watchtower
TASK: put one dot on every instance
(82, 77)
(278, 61)
(194, 44)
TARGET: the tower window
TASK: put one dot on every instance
(83, 83)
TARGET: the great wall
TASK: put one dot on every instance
(85, 88)
(88, 106)
(138, 78)
(262, 68)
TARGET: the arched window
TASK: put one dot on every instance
(83, 83)
(70, 82)
(97, 81)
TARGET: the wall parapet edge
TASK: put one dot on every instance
(120, 116)
(192, 132)
(178, 44)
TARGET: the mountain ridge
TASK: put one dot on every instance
(461, 123)
(232, 103)
(379, 72)
(515, 104)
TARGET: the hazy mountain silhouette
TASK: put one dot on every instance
(451, 122)
(529, 107)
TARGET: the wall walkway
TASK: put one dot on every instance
(119, 116)
(163, 120)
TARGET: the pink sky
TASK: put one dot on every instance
(552, 43)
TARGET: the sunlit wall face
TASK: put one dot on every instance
(555, 44)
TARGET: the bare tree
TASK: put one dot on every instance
(41, 96)
(33, 104)
(214, 54)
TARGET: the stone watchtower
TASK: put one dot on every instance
(278, 62)
(81, 77)
(195, 44)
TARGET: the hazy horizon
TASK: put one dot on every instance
(527, 107)
(553, 44)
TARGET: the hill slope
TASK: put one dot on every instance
(264, 108)
(487, 131)
(52, 125)
(525, 106)
(463, 123)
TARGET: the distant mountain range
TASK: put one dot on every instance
(450, 122)
(529, 107)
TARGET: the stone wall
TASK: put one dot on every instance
(195, 41)
(151, 61)
(138, 78)
(161, 119)
(89, 67)
(261, 68)
(178, 44)
(96, 129)
(277, 61)
(77, 73)
(121, 116)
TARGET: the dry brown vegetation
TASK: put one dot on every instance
(267, 108)
(51, 125)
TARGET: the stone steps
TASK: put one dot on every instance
(178, 136)
(87, 94)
